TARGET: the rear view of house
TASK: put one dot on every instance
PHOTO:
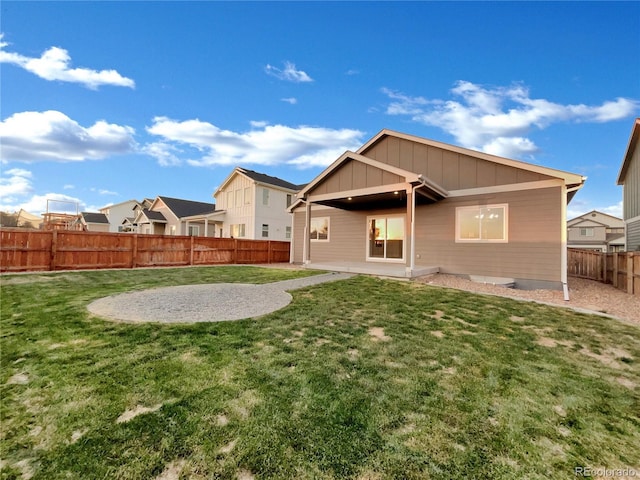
(405, 206)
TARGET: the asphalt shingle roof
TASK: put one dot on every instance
(186, 208)
(92, 217)
(269, 180)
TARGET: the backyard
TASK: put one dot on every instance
(363, 378)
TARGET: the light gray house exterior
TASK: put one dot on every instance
(411, 205)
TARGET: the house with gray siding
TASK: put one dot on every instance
(629, 178)
(405, 206)
(596, 231)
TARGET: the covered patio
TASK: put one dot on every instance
(393, 270)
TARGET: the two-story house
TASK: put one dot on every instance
(629, 178)
(121, 214)
(253, 205)
(173, 216)
(596, 231)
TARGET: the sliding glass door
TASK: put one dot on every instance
(386, 238)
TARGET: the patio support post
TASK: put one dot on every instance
(306, 254)
(563, 243)
(409, 230)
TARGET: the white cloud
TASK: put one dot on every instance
(51, 135)
(54, 64)
(37, 204)
(302, 146)
(68, 187)
(16, 182)
(288, 73)
(290, 100)
(498, 119)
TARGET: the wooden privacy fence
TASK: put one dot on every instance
(30, 250)
(622, 269)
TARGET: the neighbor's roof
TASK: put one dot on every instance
(258, 177)
(92, 217)
(186, 208)
(633, 143)
(154, 216)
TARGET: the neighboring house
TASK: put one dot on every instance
(629, 178)
(407, 206)
(253, 205)
(596, 231)
(121, 215)
(173, 216)
(92, 222)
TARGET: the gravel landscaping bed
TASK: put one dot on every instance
(584, 294)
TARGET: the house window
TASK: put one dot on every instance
(289, 198)
(287, 232)
(586, 232)
(265, 196)
(172, 230)
(237, 231)
(229, 200)
(247, 196)
(386, 238)
(484, 224)
(265, 230)
(194, 230)
(319, 229)
(239, 201)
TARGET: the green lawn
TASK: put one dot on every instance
(363, 378)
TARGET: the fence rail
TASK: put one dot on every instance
(34, 250)
(620, 269)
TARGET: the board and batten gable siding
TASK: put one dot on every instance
(353, 175)
(450, 170)
(347, 234)
(631, 200)
(631, 196)
(238, 214)
(533, 250)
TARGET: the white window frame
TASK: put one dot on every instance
(247, 195)
(193, 231)
(319, 221)
(239, 201)
(265, 196)
(229, 199)
(237, 230)
(265, 230)
(479, 209)
(287, 233)
(588, 232)
(404, 239)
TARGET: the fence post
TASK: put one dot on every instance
(134, 251)
(235, 251)
(191, 253)
(54, 250)
(269, 253)
(615, 269)
(630, 273)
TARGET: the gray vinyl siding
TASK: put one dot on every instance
(532, 252)
(347, 235)
(633, 236)
(631, 195)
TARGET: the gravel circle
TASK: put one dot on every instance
(214, 302)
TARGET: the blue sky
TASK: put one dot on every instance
(103, 102)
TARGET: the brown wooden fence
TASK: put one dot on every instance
(622, 270)
(31, 250)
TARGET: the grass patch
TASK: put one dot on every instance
(363, 378)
